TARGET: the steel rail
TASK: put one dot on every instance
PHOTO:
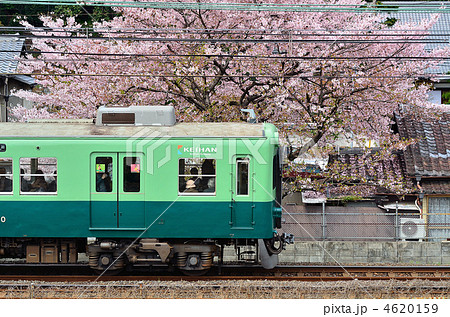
(282, 273)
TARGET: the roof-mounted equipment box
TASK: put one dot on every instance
(136, 115)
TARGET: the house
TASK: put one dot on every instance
(427, 162)
(10, 50)
(422, 213)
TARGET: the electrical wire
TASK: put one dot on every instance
(259, 36)
(302, 76)
(247, 40)
(220, 31)
(85, 60)
(239, 6)
(277, 56)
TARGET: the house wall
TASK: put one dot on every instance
(13, 100)
(353, 221)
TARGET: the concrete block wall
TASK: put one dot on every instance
(359, 252)
(372, 252)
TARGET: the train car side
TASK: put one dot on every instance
(148, 201)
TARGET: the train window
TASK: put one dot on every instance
(103, 174)
(38, 175)
(196, 176)
(6, 176)
(131, 174)
(242, 176)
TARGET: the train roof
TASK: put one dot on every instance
(71, 128)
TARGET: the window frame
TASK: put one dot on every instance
(10, 193)
(138, 160)
(111, 174)
(198, 193)
(445, 96)
(55, 175)
(247, 161)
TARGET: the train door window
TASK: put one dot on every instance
(6, 176)
(38, 175)
(196, 176)
(103, 173)
(242, 176)
(131, 174)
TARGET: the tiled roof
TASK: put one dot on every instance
(396, 166)
(25, 79)
(436, 186)
(439, 31)
(380, 170)
(10, 48)
(389, 168)
(430, 156)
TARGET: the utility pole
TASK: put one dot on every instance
(6, 97)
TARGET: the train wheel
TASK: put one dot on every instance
(106, 263)
(194, 264)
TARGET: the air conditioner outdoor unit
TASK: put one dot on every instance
(412, 228)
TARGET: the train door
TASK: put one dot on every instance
(131, 201)
(242, 207)
(117, 193)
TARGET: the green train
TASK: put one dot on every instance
(136, 189)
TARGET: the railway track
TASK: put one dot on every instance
(235, 272)
(240, 282)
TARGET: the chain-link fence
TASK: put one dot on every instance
(363, 225)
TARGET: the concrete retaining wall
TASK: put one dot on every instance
(355, 252)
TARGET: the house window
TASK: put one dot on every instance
(6, 176)
(196, 176)
(38, 175)
(445, 96)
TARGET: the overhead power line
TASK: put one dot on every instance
(336, 39)
(95, 56)
(305, 76)
(240, 6)
(229, 36)
(221, 31)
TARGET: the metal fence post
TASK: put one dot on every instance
(141, 289)
(397, 235)
(324, 222)
(31, 287)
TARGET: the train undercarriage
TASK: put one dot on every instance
(111, 256)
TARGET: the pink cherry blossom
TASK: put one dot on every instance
(314, 89)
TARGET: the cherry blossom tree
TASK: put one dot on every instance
(317, 75)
